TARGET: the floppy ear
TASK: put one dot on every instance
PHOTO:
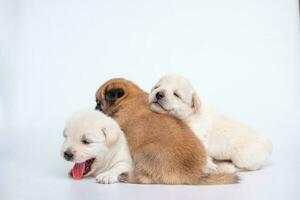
(114, 94)
(112, 134)
(196, 103)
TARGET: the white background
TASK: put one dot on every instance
(241, 56)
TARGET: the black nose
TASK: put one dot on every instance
(159, 95)
(68, 155)
(98, 107)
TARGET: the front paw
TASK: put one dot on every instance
(107, 177)
(211, 166)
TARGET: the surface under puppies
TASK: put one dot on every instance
(97, 146)
(163, 148)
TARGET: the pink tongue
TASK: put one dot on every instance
(78, 170)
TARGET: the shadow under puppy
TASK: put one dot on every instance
(164, 149)
(97, 145)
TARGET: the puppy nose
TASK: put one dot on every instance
(98, 107)
(159, 95)
(68, 155)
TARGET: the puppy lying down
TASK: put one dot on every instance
(223, 137)
(164, 149)
(97, 146)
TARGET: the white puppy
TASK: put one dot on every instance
(224, 138)
(97, 146)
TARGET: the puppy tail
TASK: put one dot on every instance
(218, 179)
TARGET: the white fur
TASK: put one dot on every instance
(224, 138)
(108, 145)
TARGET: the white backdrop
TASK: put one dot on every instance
(242, 56)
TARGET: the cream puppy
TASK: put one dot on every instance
(97, 146)
(224, 138)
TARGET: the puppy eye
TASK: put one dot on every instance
(176, 95)
(85, 141)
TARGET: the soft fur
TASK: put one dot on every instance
(163, 148)
(224, 138)
(107, 144)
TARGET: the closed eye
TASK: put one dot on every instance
(176, 95)
(85, 141)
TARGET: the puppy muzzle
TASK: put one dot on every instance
(98, 107)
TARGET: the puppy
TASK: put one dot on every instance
(224, 138)
(163, 148)
(97, 146)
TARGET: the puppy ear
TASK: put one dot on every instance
(196, 103)
(114, 94)
(112, 134)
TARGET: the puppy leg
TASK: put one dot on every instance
(112, 175)
(152, 168)
(147, 169)
(211, 167)
(251, 158)
(139, 178)
(226, 167)
(214, 166)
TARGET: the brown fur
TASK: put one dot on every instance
(164, 149)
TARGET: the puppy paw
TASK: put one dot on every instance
(211, 166)
(226, 167)
(107, 177)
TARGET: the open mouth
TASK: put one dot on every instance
(81, 169)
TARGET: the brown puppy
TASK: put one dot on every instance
(164, 149)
